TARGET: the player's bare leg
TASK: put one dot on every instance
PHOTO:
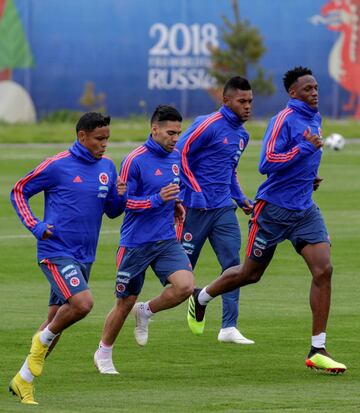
(51, 314)
(181, 287)
(317, 257)
(112, 326)
(249, 272)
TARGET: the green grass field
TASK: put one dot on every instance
(136, 128)
(176, 371)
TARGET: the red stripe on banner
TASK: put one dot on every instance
(58, 280)
(18, 189)
(197, 132)
(119, 256)
(252, 235)
(2, 7)
(126, 166)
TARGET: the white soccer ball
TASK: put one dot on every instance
(335, 141)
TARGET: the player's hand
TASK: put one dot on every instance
(169, 192)
(248, 207)
(179, 213)
(48, 232)
(315, 139)
(120, 186)
(317, 182)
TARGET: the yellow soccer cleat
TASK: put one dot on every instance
(21, 388)
(196, 314)
(323, 361)
(36, 357)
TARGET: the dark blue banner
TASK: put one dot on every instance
(129, 55)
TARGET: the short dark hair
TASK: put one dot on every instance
(165, 112)
(293, 75)
(236, 82)
(92, 120)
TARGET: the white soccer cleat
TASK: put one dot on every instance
(233, 335)
(141, 331)
(105, 366)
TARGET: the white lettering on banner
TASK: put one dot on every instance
(179, 79)
(180, 58)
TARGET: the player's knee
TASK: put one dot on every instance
(184, 291)
(323, 274)
(84, 307)
(126, 304)
(253, 276)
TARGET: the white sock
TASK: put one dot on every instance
(47, 336)
(319, 340)
(104, 351)
(204, 297)
(25, 372)
(145, 308)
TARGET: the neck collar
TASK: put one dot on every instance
(231, 117)
(79, 151)
(303, 108)
(156, 147)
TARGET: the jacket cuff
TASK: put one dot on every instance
(156, 201)
(39, 229)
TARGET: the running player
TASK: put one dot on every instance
(79, 186)
(211, 149)
(284, 209)
(148, 237)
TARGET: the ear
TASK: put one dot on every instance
(226, 100)
(154, 129)
(81, 135)
(292, 92)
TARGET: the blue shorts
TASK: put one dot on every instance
(66, 276)
(164, 257)
(270, 224)
(220, 226)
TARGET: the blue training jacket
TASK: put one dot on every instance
(210, 151)
(148, 218)
(78, 189)
(290, 162)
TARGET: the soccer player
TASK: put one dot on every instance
(211, 149)
(79, 186)
(284, 209)
(148, 237)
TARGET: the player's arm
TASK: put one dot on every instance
(179, 213)
(190, 148)
(139, 204)
(238, 196)
(40, 179)
(116, 200)
(276, 156)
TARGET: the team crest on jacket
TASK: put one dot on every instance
(104, 178)
(175, 169)
(241, 144)
(187, 236)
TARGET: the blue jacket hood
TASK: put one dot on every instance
(156, 147)
(79, 151)
(231, 117)
(303, 108)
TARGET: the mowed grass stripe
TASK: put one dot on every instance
(176, 371)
